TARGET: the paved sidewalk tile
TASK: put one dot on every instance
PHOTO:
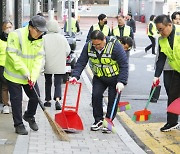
(45, 141)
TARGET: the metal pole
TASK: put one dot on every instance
(69, 17)
(49, 5)
(42, 5)
(18, 13)
(33, 8)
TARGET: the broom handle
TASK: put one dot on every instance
(39, 100)
(114, 105)
(150, 97)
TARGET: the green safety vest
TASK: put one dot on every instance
(126, 32)
(172, 55)
(3, 45)
(105, 66)
(153, 29)
(73, 25)
(105, 29)
(23, 57)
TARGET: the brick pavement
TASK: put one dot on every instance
(86, 142)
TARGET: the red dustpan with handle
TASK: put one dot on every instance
(174, 107)
(69, 119)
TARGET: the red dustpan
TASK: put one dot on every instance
(174, 107)
(69, 119)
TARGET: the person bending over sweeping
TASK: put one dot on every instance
(109, 64)
(24, 59)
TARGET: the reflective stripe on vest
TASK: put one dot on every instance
(104, 66)
(23, 77)
(172, 55)
(105, 29)
(25, 52)
(126, 31)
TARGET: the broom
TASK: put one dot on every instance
(107, 122)
(60, 133)
(123, 106)
(143, 115)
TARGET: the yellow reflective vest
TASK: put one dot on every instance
(105, 66)
(126, 32)
(73, 25)
(153, 29)
(3, 45)
(105, 29)
(23, 57)
(172, 55)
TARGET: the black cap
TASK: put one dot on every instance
(39, 22)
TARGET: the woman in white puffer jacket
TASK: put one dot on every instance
(56, 50)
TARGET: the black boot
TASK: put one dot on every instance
(32, 123)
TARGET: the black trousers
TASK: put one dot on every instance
(99, 86)
(174, 93)
(57, 85)
(167, 78)
(152, 45)
(15, 91)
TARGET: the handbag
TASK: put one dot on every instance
(156, 94)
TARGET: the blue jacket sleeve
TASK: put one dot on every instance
(89, 34)
(81, 62)
(119, 55)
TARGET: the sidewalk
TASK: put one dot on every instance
(45, 142)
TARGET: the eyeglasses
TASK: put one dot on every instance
(96, 45)
(161, 30)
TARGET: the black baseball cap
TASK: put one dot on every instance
(39, 22)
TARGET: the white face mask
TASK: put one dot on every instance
(8, 30)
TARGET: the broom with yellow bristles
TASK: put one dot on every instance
(60, 133)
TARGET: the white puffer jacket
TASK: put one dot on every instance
(56, 49)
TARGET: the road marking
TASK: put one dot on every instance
(150, 135)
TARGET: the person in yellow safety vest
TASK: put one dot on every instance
(24, 60)
(152, 32)
(168, 71)
(74, 24)
(169, 48)
(121, 29)
(101, 25)
(109, 65)
(7, 27)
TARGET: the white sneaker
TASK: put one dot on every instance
(6, 109)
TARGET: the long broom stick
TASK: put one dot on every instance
(60, 133)
(107, 122)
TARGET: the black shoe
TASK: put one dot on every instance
(57, 105)
(32, 123)
(154, 53)
(21, 130)
(47, 104)
(168, 127)
(97, 126)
